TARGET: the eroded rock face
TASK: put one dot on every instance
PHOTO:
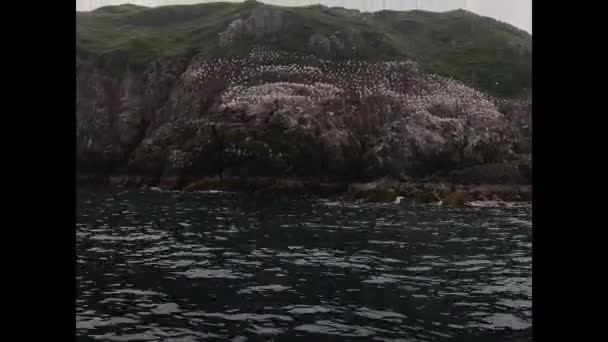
(115, 109)
(262, 22)
(277, 114)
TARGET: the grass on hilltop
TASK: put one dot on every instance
(483, 52)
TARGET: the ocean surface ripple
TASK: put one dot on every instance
(171, 266)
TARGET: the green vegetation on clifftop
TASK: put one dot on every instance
(482, 52)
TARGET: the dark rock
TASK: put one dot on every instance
(117, 180)
(493, 173)
(424, 196)
(378, 195)
(457, 198)
(379, 191)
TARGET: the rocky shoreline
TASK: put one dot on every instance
(379, 191)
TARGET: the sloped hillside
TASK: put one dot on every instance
(479, 51)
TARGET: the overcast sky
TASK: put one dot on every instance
(515, 12)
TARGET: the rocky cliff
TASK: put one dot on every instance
(247, 106)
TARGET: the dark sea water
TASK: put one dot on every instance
(171, 266)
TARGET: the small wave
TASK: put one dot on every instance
(157, 334)
(418, 269)
(498, 204)
(202, 273)
(265, 288)
(134, 292)
(213, 192)
(99, 322)
(166, 309)
(518, 221)
(241, 316)
(376, 242)
(381, 315)
(503, 320)
(333, 328)
(380, 280)
(305, 309)
(332, 204)
(265, 330)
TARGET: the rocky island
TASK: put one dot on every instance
(427, 107)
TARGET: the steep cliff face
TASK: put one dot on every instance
(115, 109)
(270, 112)
(279, 114)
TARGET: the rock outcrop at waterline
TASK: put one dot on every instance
(390, 190)
(277, 114)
